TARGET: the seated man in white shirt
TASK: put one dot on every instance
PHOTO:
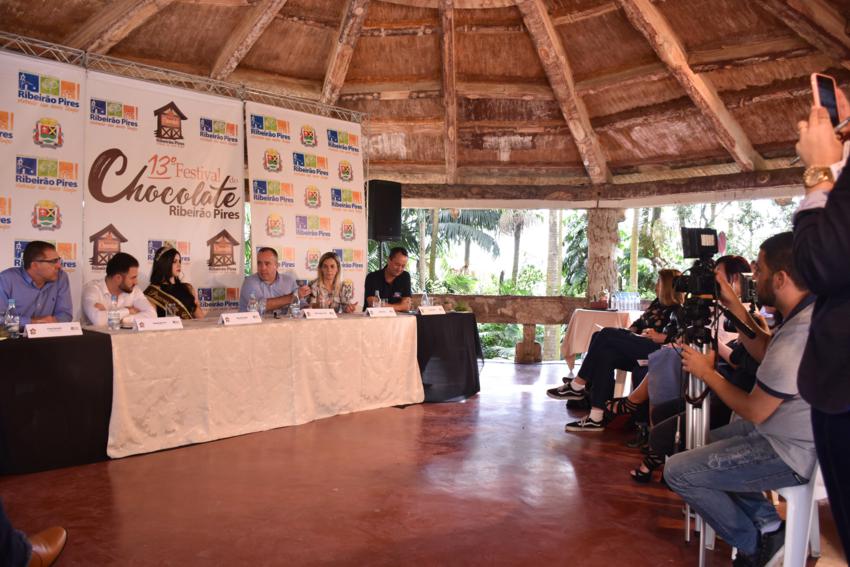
(122, 274)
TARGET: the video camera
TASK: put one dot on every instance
(693, 319)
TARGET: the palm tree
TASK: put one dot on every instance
(513, 221)
(470, 226)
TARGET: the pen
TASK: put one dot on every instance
(837, 129)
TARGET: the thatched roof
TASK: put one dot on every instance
(576, 95)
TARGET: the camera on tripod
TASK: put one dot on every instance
(692, 322)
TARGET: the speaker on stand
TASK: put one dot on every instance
(384, 212)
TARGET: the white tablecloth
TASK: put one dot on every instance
(585, 322)
(207, 382)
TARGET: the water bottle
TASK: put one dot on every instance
(295, 307)
(378, 302)
(425, 301)
(261, 306)
(113, 315)
(12, 321)
(252, 303)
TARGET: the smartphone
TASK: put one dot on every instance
(823, 88)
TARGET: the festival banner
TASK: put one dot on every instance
(42, 124)
(306, 186)
(165, 168)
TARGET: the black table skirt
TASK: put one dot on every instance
(450, 355)
(55, 402)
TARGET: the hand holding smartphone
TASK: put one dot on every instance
(824, 92)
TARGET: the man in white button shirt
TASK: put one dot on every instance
(122, 274)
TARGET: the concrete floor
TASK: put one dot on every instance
(492, 481)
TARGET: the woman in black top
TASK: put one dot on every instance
(611, 349)
(166, 289)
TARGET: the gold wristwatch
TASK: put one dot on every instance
(817, 174)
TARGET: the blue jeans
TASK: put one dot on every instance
(15, 548)
(723, 482)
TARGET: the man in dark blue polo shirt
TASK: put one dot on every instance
(392, 283)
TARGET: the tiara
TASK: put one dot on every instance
(162, 251)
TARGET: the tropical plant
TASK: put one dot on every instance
(513, 221)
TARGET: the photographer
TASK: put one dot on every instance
(821, 251)
(772, 445)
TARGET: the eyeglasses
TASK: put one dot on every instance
(53, 261)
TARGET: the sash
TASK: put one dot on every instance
(161, 299)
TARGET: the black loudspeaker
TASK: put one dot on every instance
(384, 210)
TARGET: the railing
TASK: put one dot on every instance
(525, 310)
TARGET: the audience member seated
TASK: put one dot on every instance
(40, 550)
(122, 275)
(611, 349)
(771, 446)
(168, 294)
(391, 282)
(41, 290)
(279, 290)
(328, 291)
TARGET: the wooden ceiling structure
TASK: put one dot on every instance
(521, 103)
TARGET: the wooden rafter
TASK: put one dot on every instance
(349, 32)
(447, 17)
(249, 30)
(109, 26)
(558, 71)
(649, 21)
(817, 22)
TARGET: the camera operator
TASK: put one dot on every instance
(821, 251)
(772, 445)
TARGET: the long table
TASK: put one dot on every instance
(165, 389)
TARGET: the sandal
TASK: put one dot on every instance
(621, 406)
(651, 462)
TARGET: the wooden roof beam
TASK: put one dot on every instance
(447, 17)
(649, 21)
(558, 71)
(340, 58)
(817, 22)
(240, 42)
(108, 27)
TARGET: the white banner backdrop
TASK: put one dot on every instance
(42, 122)
(165, 167)
(306, 185)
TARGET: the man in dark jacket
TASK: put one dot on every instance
(822, 257)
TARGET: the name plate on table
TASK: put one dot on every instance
(240, 318)
(320, 314)
(159, 324)
(44, 330)
(431, 310)
(380, 311)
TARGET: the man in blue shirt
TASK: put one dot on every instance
(40, 288)
(277, 289)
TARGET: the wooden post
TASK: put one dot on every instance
(528, 351)
(602, 239)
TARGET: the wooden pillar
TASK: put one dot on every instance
(528, 351)
(602, 239)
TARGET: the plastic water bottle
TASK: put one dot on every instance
(295, 307)
(261, 306)
(252, 303)
(378, 302)
(425, 300)
(12, 321)
(113, 315)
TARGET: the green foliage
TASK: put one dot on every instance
(460, 283)
(574, 267)
(529, 278)
(498, 340)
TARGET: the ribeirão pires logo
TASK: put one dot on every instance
(112, 113)
(346, 230)
(343, 141)
(5, 211)
(312, 226)
(106, 243)
(46, 215)
(219, 131)
(271, 160)
(34, 89)
(274, 226)
(346, 199)
(308, 136)
(7, 127)
(50, 173)
(346, 173)
(218, 296)
(272, 191)
(169, 124)
(47, 133)
(312, 197)
(184, 247)
(285, 256)
(350, 258)
(311, 259)
(270, 127)
(310, 164)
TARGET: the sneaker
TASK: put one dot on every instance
(585, 424)
(744, 560)
(566, 392)
(772, 547)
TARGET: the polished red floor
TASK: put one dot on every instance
(492, 481)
